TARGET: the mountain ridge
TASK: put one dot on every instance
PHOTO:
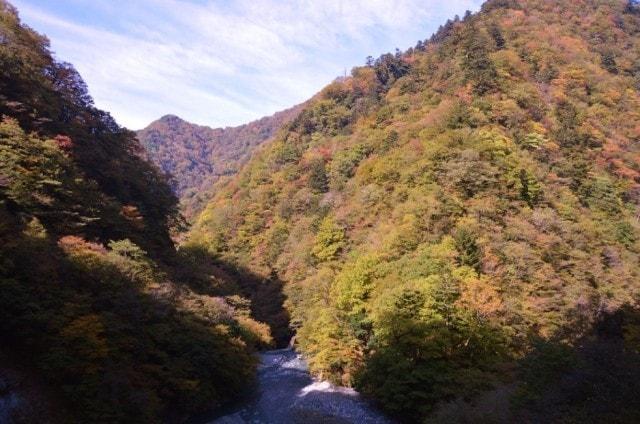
(196, 156)
(453, 230)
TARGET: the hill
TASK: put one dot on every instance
(457, 225)
(101, 319)
(197, 156)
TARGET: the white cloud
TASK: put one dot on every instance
(219, 62)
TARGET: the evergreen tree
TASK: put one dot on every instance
(468, 251)
(478, 67)
(498, 38)
(318, 180)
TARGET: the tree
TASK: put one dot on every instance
(496, 34)
(568, 122)
(390, 141)
(608, 61)
(44, 182)
(468, 250)
(318, 181)
(330, 240)
(530, 190)
(476, 64)
(632, 7)
(425, 349)
(390, 67)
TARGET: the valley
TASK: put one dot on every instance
(449, 233)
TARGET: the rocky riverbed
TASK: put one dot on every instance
(286, 393)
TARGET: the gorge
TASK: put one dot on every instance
(449, 233)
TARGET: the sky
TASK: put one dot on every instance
(224, 63)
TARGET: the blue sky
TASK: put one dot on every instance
(223, 63)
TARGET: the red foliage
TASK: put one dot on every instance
(64, 142)
(75, 244)
(325, 153)
(132, 214)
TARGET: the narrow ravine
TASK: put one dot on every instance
(288, 394)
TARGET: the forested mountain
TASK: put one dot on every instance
(457, 226)
(197, 156)
(456, 229)
(98, 311)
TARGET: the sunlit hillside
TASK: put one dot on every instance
(449, 212)
(448, 234)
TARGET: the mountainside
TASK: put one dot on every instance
(197, 156)
(453, 230)
(101, 319)
(457, 226)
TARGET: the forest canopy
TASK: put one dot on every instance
(453, 230)
(95, 301)
(461, 219)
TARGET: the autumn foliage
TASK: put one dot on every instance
(447, 211)
(94, 298)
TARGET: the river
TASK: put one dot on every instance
(287, 393)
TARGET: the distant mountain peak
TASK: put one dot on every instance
(172, 119)
(196, 156)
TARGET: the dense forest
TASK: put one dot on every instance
(453, 230)
(98, 310)
(195, 157)
(457, 226)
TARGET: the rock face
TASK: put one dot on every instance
(197, 156)
(288, 394)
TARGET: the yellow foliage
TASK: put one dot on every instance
(87, 335)
(480, 295)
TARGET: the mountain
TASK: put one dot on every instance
(198, 156)
(457, 226)
(102, 320)
(453, 230)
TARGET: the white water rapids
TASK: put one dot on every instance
(288, 394)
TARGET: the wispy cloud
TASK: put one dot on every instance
(218, 62)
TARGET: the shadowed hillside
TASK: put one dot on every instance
(101, 319)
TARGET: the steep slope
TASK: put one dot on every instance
(197, 156)
(462, 216)
(101, 320)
